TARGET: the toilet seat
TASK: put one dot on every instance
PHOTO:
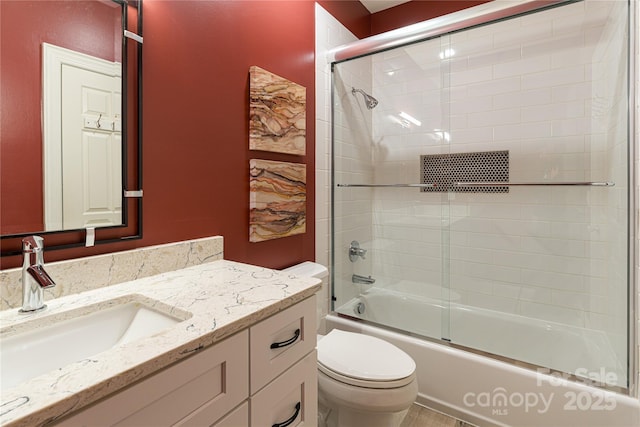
(364, 361)
(366, 383)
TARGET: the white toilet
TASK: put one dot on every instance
(362, 380)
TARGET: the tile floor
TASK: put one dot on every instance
(419, 416)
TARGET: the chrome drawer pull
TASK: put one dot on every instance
(287, 342)
(293, 418)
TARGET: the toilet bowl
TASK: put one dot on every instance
(363, 381)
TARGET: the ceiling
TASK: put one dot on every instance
(378, 5)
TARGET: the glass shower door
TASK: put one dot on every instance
(541, 270)
(483, 198)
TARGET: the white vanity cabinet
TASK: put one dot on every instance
(264, 375)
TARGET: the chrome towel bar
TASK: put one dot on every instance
(511, 184)
(487, 184)
(388, 185)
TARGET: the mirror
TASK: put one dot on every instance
(69, 136)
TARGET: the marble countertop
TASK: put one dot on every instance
(217, 299)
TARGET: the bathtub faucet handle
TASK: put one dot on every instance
(355, 251)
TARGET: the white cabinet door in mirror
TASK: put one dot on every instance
(82, 140)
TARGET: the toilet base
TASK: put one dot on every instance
(341, 405)
(346, 417)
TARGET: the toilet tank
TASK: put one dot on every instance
(309, 269)
(318, 271)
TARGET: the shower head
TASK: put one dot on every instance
(369, 100)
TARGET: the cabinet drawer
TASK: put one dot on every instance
(198, 390)
(294, 330)
(293, 396)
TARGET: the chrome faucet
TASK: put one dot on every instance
(355, 251)
(356, 278)
(34, 278)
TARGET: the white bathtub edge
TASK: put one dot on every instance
(473, 373)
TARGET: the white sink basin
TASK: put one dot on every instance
(42, 349)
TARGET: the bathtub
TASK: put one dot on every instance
(486, 391)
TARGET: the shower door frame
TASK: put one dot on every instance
(633, 263)
(489, 13)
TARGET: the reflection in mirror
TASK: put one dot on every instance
(69, 134)
(82, 140)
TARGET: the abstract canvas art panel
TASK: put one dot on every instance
(277, 113)
(278, 199)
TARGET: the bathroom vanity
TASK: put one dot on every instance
(242, 353)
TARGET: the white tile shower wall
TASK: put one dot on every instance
(536, 86)
(84, 274)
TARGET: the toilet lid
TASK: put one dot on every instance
(363, 357)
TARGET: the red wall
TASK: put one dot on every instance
(79, 25)
(197, 56)
(196, 59)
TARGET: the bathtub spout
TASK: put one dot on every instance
(356, 278)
